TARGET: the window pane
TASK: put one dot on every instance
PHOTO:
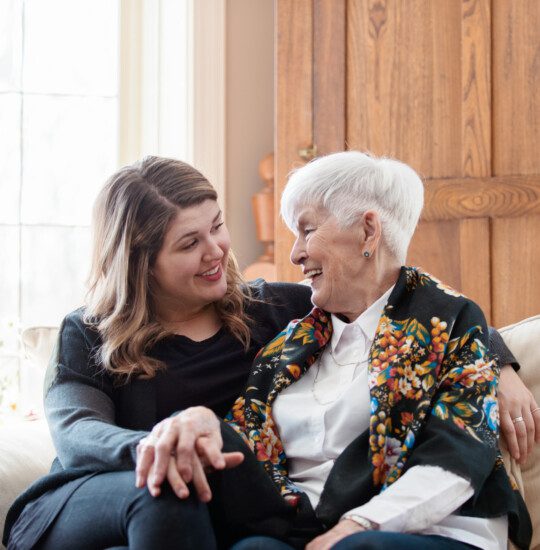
(9, 288)
(10, 157)
(10, 45)
(71, 47)
(70, 148)
(54, 266)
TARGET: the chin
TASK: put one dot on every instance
(317, 301)
(220, 293)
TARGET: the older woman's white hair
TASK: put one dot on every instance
(348, 184)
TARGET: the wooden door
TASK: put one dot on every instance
(447, 86)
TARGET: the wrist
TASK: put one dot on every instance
(363, 522)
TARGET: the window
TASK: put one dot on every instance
(85, 87)
(58, 143)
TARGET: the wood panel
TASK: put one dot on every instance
(516, 135)
(476, 88)
(516, 81)
(436, 244)
(447, 249)
(294, 110)
(515, 267)
(403, 63)
(329, 75)
(499, 197)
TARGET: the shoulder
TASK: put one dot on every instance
(283, 292)
(75, 326)
(275, 304)
(77, 344)
(422, 294)
(424, 285)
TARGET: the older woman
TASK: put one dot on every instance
(380, 405)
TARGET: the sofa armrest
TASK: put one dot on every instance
(523, 339)
(26, 453)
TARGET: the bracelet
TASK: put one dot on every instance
(367, 524)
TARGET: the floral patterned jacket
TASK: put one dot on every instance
(433, 402)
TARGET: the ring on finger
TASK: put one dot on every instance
(517, 419)
(534, 410)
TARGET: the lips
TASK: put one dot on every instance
(213, 274)
(312, 273)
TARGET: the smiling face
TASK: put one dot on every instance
(190, 268)
(331, 257)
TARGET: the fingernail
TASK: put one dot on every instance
(182, 493)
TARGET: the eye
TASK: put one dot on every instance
(308, 230)
(190, 245)
(217, 227)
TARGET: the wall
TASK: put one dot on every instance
(249, 115)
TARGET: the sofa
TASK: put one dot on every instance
(26, 449)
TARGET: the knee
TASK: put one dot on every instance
(366, 540)
(260, 543)
(168, 505)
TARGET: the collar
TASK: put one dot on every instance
(367, 321)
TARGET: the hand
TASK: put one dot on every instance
(343, 529)
(178, 485)
(516, 401)
(193, 433)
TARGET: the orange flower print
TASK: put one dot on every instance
(406, 418)
(294, 370)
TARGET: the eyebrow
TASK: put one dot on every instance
(301, 221)
(193, 233)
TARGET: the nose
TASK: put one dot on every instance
(213, 251)
(298, 251)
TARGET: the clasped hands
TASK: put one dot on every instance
(182, 449)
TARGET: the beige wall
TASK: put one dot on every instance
(249, 115)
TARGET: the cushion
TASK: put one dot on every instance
(38, 343)
(26, 448)
(26, 453)
(523, 339)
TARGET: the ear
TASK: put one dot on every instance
(371, 231)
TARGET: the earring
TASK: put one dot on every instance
(366, 254)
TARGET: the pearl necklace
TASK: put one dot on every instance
(319, 359)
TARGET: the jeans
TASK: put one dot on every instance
(367, 540)
(108, 510)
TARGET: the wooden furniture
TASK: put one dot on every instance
(263, 212)
(448, 86)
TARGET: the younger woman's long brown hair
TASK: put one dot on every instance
(131, 215)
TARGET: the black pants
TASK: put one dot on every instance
(108, 510)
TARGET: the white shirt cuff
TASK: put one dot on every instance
(421, 497)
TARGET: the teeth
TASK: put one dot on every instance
(211, 271)
(312, 272)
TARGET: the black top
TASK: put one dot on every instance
(212, 372)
